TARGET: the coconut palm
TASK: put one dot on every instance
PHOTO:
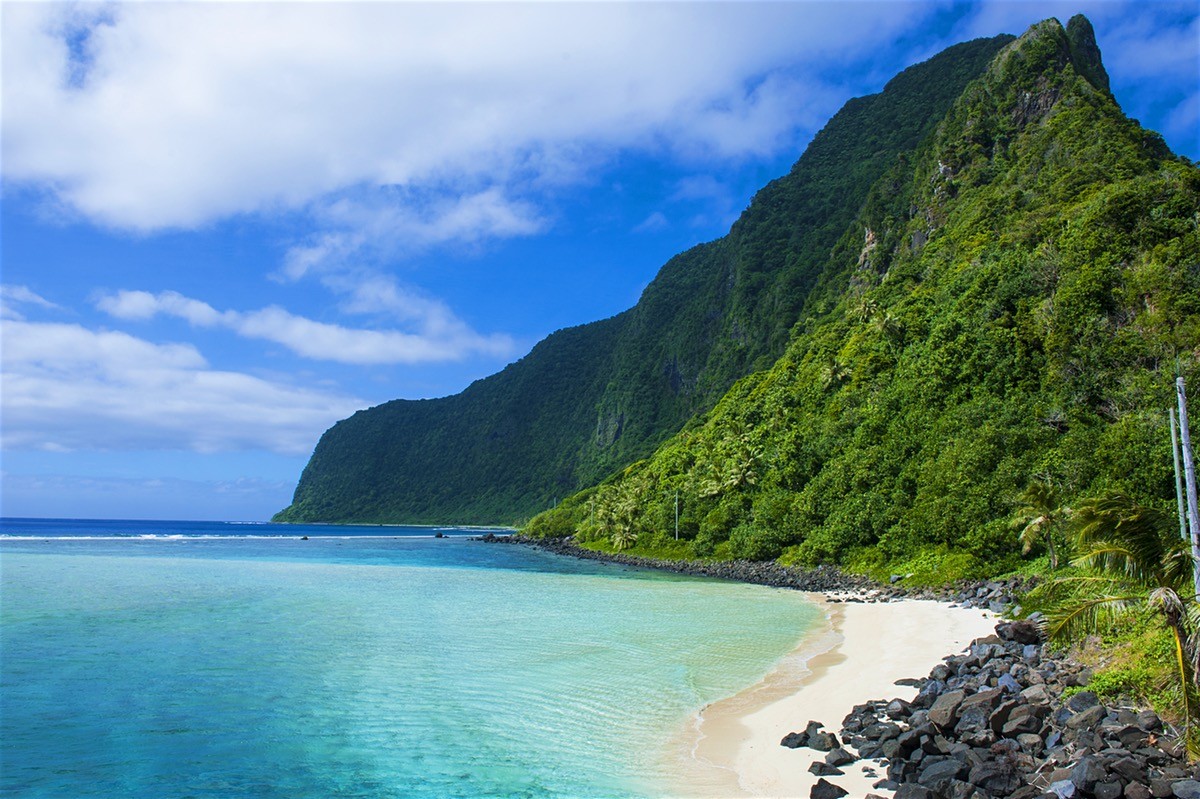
(1039, 518)
(623, 536)
(1133, 559)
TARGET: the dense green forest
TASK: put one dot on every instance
(590, 400)
(1009, 307)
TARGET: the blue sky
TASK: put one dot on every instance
(226, 226)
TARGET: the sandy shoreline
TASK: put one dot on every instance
(732, 747)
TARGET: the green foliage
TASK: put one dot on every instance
(1132, 563)
(1008, 307)
(589, 400)
(1039, 519)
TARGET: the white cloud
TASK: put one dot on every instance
(12, 295)
(389, 222)
(66, 387)
(441, 336)
(141, 305)
(654, 222)
(183, 113)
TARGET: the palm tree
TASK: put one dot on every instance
(1133, 559)
(1039, 518)
(623, 536)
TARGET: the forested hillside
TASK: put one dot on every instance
(1010, 304)
(589, 400)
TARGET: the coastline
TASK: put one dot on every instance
(861, 652)
(1001, 717)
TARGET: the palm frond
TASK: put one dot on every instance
(1086, 615)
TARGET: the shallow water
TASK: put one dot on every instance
(403, 666)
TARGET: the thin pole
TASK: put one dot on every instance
(1189, 476)
(677, 514)
(1183, 531)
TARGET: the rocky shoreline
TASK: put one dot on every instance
(1006, 718)
(997, 596)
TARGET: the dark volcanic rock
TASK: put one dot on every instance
(824, 789)
(839, 757)
(823, 742)
(987, 723)
(1186, 789)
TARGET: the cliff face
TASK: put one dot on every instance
(589, 400)
(1010, 304)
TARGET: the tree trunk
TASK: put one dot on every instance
(1189, 474)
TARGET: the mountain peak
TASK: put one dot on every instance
(1085, 54)
(1048, 46)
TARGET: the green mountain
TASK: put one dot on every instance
(1010, 303)
(589, 400)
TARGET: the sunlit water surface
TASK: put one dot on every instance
(173, 660)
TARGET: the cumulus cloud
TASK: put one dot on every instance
(67, 387)
(441, 335)
(148, 116)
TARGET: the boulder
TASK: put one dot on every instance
(938, 775)
(824, 789)
(823, 742)
(1063, 789)
(996, 777)
(944, 711)
(1087, 772)
(795, 740)
(1186, 789)
(839, 757)
(1082, 701)
(1087, 719)
(824, 770)
(911, 790)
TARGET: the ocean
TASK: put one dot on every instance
(207, 659)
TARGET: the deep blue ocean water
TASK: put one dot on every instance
(202, 659)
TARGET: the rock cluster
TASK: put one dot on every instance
(998, 721)
(994, 595)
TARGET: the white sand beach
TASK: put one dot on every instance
(734, 748)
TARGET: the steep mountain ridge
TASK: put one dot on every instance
(588, 400)
(1011, 304)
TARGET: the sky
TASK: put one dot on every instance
(226, 226)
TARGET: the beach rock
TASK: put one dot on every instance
(938, 775)
(1082, 701)
(795, 740)
(1063, 789)
(839, 757)
(1148, 720)
(824, 789)
(1022, 631)
(1160, 788)
(821, 769)
(1018, 735)
(823, 742)
(1087, 719)
(1186, 789)
(944, 712)
(1087, 772)
(996, 777)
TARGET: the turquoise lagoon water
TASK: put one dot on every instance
(177, 660)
